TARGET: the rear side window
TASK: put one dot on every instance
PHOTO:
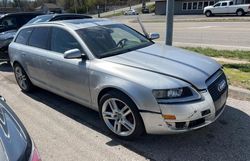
(23, 36)
(62, 41)
(40, 37)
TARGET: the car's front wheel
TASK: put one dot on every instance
(121, 115)
(208, 13)
(22, 79)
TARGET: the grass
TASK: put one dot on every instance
(237, 74)
(239, 67)
(238, 78)
(113, 15)
(236, 54)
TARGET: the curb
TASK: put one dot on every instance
(239, 93)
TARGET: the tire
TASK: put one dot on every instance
(240, 12)
(120, 115)
(22, 79)
(208, 13)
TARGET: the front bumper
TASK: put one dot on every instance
(189, 116)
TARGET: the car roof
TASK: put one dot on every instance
(77, 23)
(65, 15)
(23, 13)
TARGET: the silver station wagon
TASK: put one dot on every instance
(135, 84)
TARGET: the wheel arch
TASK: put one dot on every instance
(110, 88)
(240, 9)
(17, 63)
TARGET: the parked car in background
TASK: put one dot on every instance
(135, 84)
(9, 24)
(227, 7)
(131, 12)
(57, 17)
(7, 37)
(15, 142)
(145, 10)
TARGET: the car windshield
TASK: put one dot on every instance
(110, 40)
(44, 18)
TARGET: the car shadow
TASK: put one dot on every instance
(226, 139)
(5, 67)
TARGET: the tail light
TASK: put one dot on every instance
(35, 155)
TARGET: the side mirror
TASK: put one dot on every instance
(73, 54)
(153, 36)
(3, 99)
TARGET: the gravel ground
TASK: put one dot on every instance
(67, 131)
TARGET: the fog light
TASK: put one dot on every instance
(169, 117)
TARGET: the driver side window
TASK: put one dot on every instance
(217, 5)
(62, 41)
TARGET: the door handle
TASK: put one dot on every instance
(49, 61)
(23, 54)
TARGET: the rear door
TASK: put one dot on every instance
(35, 53)
(68, 77)
(224, 7)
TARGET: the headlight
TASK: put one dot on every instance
(177, 94)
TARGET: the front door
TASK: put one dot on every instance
(217, 8)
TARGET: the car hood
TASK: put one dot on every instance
(7, 35)
(170, 61)
(208, 7)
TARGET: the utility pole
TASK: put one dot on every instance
(169, 23)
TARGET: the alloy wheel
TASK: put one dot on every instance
(21, 77)
(118, 116)
(208, 14)
(240, 13)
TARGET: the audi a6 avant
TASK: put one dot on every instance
(134, 83)
(15, 142)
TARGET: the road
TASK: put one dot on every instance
(136, 7)
(224, 35)
(67, 131)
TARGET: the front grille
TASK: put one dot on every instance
(214, 90)
(180, 125)
(196, 123)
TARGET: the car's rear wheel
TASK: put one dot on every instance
(208, 13)
(22, 79)
(240, 12)
(121, 115)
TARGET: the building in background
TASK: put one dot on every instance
(183, 7)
